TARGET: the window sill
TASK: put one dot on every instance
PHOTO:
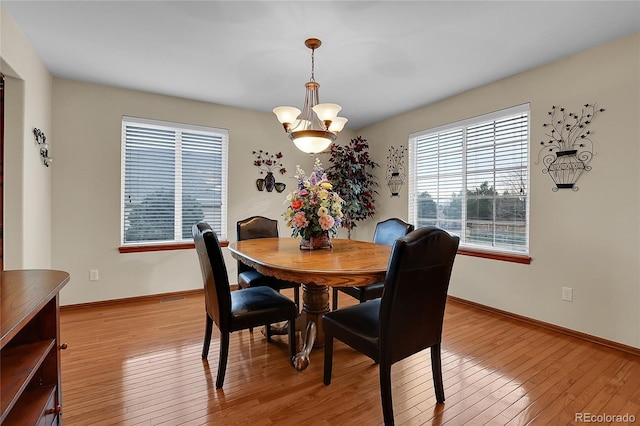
(162, 247)
(506, 257)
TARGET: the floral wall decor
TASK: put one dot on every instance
(268, 164)
(569, 149)
(43, 146)
(395, 169)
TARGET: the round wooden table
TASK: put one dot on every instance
(348, 263)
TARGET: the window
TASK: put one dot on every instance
(471, 178)
(173, 175)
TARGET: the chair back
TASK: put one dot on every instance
(413, 303)
(388, 230)
(255, 227)
(214, 274)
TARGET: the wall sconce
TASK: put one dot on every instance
(395, 169)
(44, 147)
(569, 150)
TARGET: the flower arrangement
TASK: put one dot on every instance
(268, 162)
(313, 208)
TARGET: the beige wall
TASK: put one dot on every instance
(27, 182)
(588, 240)
(86, 205)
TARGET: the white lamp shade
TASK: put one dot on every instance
(337, 124)
(286, 114)
(312, 144)
(327, 111)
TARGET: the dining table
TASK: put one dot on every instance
(345, 263)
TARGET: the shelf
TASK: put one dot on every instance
(23, 294)
(19, 364)
(30, 380)
(32, 407)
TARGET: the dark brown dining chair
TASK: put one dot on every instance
(409, 316)
(386, 233)
(235, 310)
(260, 227)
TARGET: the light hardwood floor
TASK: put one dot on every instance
(139, 364)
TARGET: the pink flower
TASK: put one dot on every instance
(303, 192)
(299, 220)
(326, 222)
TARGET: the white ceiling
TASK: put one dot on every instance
(378, 58)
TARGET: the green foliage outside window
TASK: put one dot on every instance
(154, 218)
(491, 217)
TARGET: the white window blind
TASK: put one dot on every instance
(472, 178)
(173, 175)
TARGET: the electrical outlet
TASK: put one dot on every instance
(567, 294)
(93, 275)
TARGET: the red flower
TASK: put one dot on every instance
(296, 204)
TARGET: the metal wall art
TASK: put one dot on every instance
(41, 140)
(395, 169)
(569, 149)
(268, 163)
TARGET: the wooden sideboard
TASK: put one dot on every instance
(30, 346)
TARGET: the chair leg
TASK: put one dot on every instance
(222, 361)
(385, 393)
(293, 342)
(267, 332)
(328, 358)
(296, 296)
(334, 301)
(436, 368)
(208, 329)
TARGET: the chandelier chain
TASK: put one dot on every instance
(313, 64)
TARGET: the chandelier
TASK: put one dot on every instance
(314, 128)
